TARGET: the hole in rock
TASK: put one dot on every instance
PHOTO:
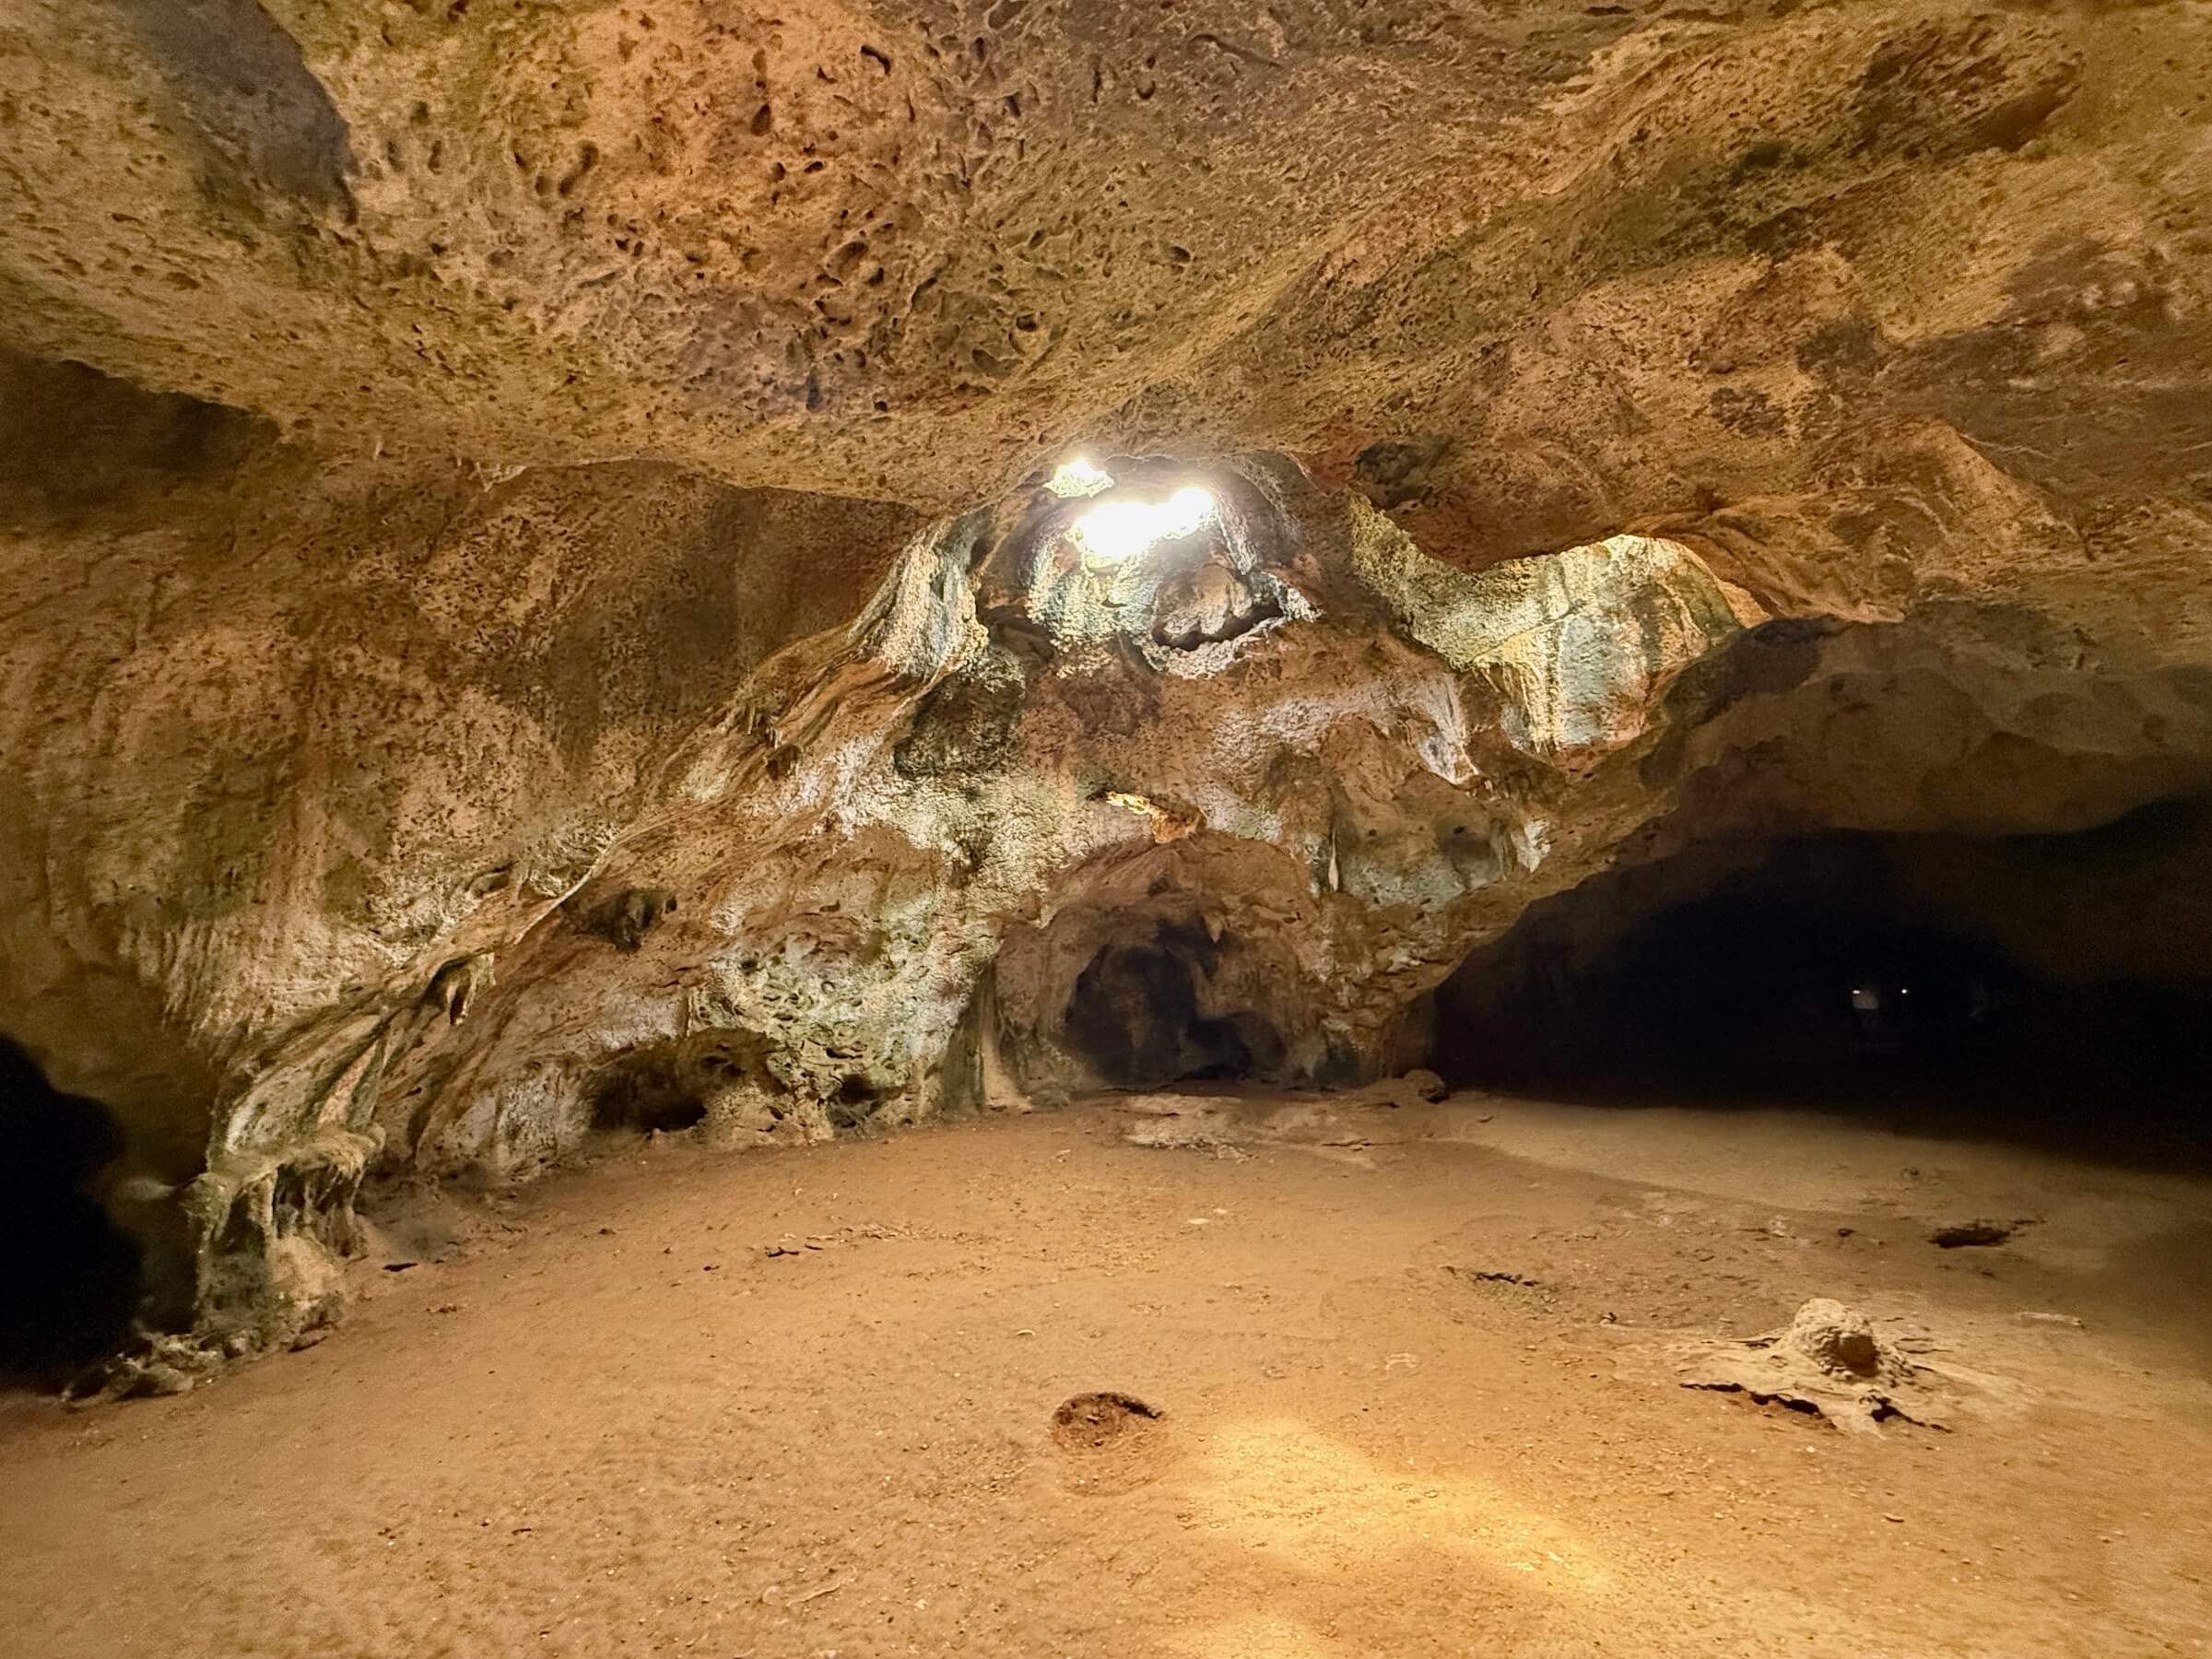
(2031, 987)
(646, 1097)
(1120, 529)
(73, 1276)
(1170, 554)
(1140, 1015)
(855, 1101)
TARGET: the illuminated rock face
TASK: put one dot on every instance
(536, 602)
(901, 867)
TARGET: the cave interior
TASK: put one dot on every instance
(1372, 828)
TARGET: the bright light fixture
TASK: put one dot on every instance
(1119, 530)
(1078, 477)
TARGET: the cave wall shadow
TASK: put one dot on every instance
(72, 1280)
(1925, 983)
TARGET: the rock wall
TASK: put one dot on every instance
(1838, 290)
(447, 820)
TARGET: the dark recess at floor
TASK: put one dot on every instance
(1140, 1015)
(2040, 988)
(73, 1278)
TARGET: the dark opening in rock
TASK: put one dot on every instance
(647, 1096)
(1967, 1234)
(855, 1101)
(1137, 1016)
(1996, 984)
(71, 1277)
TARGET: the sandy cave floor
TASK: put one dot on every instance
(804, 1404)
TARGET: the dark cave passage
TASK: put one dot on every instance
(72, 1278)
(1138, 1017)
(659, 1090)
(1998, 987)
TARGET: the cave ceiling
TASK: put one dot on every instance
(1825, 283)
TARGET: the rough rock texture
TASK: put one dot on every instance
(1831, 1360)
(1824, 283)
(532, 605)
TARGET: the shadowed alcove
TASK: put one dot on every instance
(73, 1276)
(1140, 1015)
(2039, 986)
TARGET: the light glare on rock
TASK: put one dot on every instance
(1078, 477)
(1118, 530)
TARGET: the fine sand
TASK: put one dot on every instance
(799, 1404)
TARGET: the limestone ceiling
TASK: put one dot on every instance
(1838, 288)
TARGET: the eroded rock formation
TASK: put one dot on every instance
(536, 604)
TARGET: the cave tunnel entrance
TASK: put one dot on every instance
(71, 1279)
(2053, 988)
(1139, 1017)
(660, 1091)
